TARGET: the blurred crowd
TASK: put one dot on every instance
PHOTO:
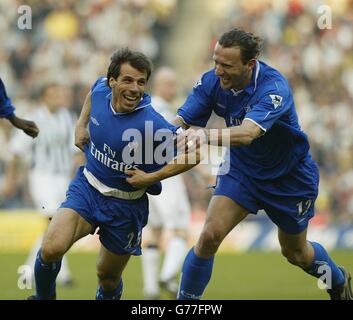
(71, 42)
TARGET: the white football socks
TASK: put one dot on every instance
(64, 274)
(150, 270)
(174, 257)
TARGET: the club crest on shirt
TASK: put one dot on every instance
(276, 100)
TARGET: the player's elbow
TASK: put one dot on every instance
(246, 139)
(250, 135)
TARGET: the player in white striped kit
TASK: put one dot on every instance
(169, 210)
(50, 158)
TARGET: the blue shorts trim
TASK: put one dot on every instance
(120, 221)
(288, 201)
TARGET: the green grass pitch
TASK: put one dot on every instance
(252, 275)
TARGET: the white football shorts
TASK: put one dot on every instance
(48, 191)
(171, 209)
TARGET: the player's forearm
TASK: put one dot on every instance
(180, 164)
(85, 112)
(235, 136)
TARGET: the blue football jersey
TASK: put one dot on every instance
(122, 141)
(266, 101)
(6, 107)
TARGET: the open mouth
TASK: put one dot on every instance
(225, 81)
(131, 99)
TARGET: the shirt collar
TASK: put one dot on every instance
(251, 87)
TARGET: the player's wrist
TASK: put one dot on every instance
(12, 118)
(154, 177)
(16, 121)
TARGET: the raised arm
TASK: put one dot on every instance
(81, 130)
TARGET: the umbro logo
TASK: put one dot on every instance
(95, 121)
(198, 83)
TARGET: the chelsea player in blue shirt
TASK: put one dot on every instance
(269, 165)
(7, 110)
(115, 110)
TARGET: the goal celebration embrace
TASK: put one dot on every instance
(176, 150)
(270, 167)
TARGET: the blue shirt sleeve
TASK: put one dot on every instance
(197, 108)
(6, 107)
(274, 102)
(101, 81)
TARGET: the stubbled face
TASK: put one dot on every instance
(128, 88)
(233, 74)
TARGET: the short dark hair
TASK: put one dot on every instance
(249, 44)
(136, 59)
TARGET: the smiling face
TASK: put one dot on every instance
(229, 67)
(128, 88)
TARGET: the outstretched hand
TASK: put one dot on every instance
(28, 127)
(81, 137)
(138, 178)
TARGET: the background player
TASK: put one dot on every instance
(51, 159)
(168, 211)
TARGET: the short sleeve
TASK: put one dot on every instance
(99, 82)
(197, 108)
(6, 107)
(272, 105)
